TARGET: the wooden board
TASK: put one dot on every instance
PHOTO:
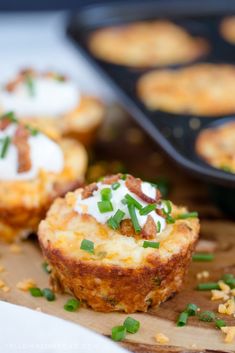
(122, 141)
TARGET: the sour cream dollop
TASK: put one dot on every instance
(44, 153)
(50, 98)
(90, 204)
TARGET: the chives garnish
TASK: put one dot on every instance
(169, 219)
(151, 244)
(131, 325)
(105, 206)
(230, 282)
(106, 194)
(33, 131)
(220, 323)
(192, 309)
(123, 177)
(227, 277)
(187, 215)
(72, 304)
(208, 286)
(35, 292)
(87, 245)
(159, 227)
(182, 319)
(46, 267)
(147, 209)
(115, 220)
(10, 116)
(115, 186)
(207, 316)
(48, 294)
(118, 333)
(129, 200)
(30, 85)
(5, 145)
(203, 257)
(167, 208)
(134, 219)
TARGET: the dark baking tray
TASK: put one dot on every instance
(174, 133)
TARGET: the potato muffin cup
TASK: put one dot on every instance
(216, 146)
(80, 116)
(120, 274)
(227, 29)
(23, 203)
(146, 44)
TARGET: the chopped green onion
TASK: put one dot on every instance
(118, 333)
(129, 200)
(48, 294)
(203, 257)
(220, 323)
(134, 219)
(207, 316)
(169, 219)
(106, 194)
(10, 116)
(105, 206)
(30, 85)
(87, 245)
(35, 292)
(123, 177)
(131, 325)
(5, 145)
(182, 319)
(151, 244)
(147, 209)
(115, 186)
(46, 267)
(114, 221)
(230, 282)
(227, 277)
(192, 309)
(72, 305)
(33, 131)
(207, 286)
(159, 227)
(167, 208)
(187, 215)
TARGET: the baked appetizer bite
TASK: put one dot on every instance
(50, 101)
(227, 29)
(34, 170)
(146, 44)
(217, 146)
(117, 246)
(201, 89)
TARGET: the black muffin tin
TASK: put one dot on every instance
(176, 134)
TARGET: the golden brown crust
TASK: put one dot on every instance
(144, 44)
(227, 29)
(24, 203)
(121, 274)
(202, 89)
(217, 146)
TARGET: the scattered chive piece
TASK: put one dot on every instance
(159, 227)
(230, 282)
(192, 309)
(131, 201)
(147, 209)
(35, 292)
(208, 286)
(114, 221)
(72, 305)
(131, 325)
(227, 277)
(167, 208)
(203, 257)
(10, 116)
(48, 294)
(207, 316)
(182, 319)
(187, 215)
(87, 245)
(33, 131)
(134, 219)
(170, 219)
(123, 177)
(105, 206)
(30, 85)
(151, 244)
(45, 267)
(220, 323)
(115, 186)
(5, 145)
(118, 333)
(106, 194)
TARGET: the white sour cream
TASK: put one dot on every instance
(90, 204)
(45, 154)
(52, 98)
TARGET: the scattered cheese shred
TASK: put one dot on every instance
(26, 284)
(203, 275)
(230, 333)
(161, 338)
(224, 287)
(218, 295)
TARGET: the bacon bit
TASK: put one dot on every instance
(134, 185)
(88, 190)
(149, 230)
(110, 179)
(11, 86)
(4, 123)
(26, 284)
(230, 333)
(20, 140)
(161, 338)
(126, 228)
